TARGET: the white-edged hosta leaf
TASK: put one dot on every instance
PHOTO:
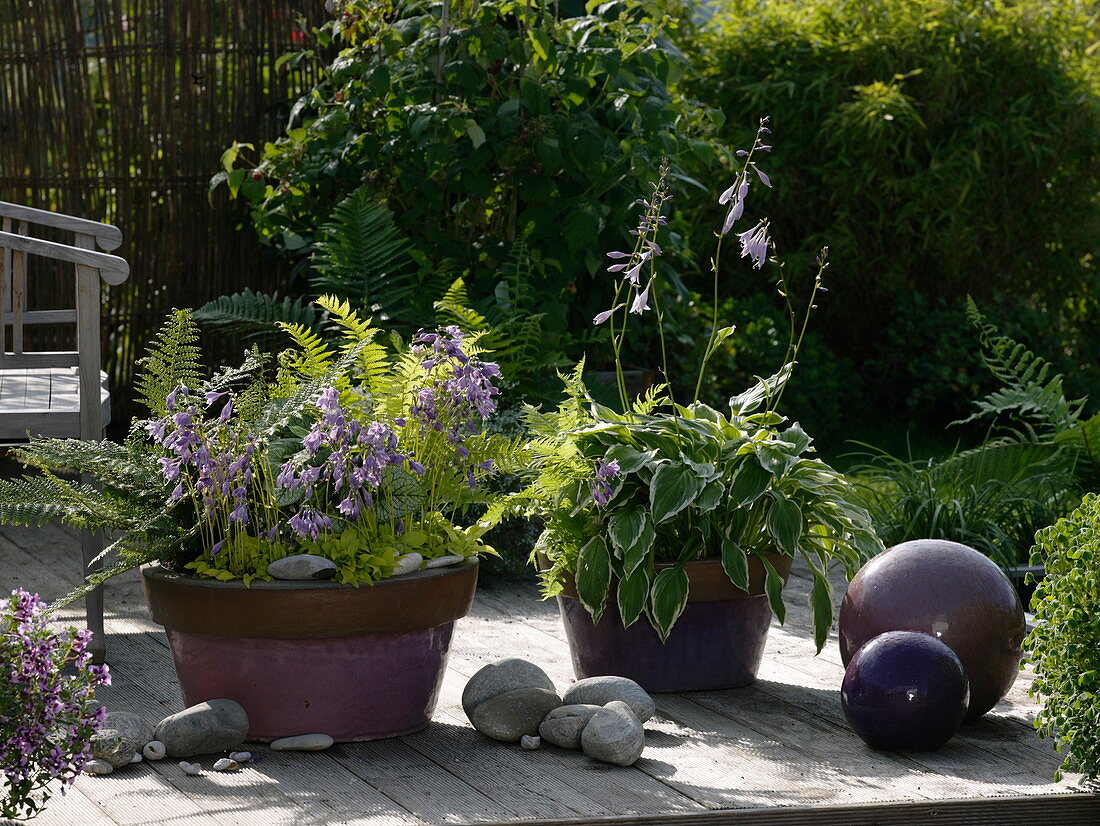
(633, 593)
(625, 526)
(668, 599)
(773, 586)
(593, 576)
(735, 563)
(629, 459)
(785, 523)
(672, 489)
(711, 497)
(639, 551)
(749, 481)
(821, 607)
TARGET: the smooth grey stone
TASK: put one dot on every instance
(216, 725)
(407, 564)
(121, 736)
(563, 725)
(602, 690)
(529, 743)
(190, 768)
(97, 767)
(226, 765)
(513, 714)
(500, 677)
(302, 742)
(444, 561)
(153, 750)
(614, 735)
(302, 567)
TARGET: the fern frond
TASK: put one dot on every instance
(362, 256)
(171, 359)
(1031, 389)
(119, 466)
(454, 308)
(254, 315)
(313, 356)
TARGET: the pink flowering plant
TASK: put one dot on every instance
(362, 452)
(631, 495)
(48, 712)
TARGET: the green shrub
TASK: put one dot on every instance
(509, 123)
(1064, 647)
(939, 148)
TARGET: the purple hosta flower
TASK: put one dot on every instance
(754, 243)
(441, 345)
(48, 716)
(173, 397)
(309, 522)
(641, 301)
(606, 314)
(601, 490)
(214, 396)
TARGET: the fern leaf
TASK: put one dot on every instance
(362, 256)
(1031, 390)
(313, 357)
(254, 315)
(172, 359)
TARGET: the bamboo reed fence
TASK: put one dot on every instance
(118, 111)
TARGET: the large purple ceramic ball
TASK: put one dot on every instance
(951, 592)
(905, 691)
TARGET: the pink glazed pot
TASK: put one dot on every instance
(315, 657)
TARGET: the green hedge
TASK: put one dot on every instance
(939, 148)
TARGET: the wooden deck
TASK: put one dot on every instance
(777, 752)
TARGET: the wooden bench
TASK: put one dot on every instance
(61, 394)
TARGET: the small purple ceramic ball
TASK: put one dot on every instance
(904, 691)
(951, 592)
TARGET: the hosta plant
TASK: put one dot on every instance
(48, 711)
(358, 451)
(631, 496)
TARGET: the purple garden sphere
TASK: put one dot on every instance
(951, 592)
(905, 691)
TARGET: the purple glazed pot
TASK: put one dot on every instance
(718, 641)
(315, 657)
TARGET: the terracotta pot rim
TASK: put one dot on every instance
(309, 609)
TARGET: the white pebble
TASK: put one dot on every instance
(98, 767)
(190, 768)
(137, 758)
(444, 561)
(303, 742)
(241, 756)
(153, 750)
(226, 765)
(407, 564)
(530, 743)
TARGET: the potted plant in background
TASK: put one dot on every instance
(671, 528)
(356, 460)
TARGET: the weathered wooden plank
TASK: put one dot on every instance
(578, 778)
(64, 389)
(44, 317)
(109, 237)
(112, 269)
